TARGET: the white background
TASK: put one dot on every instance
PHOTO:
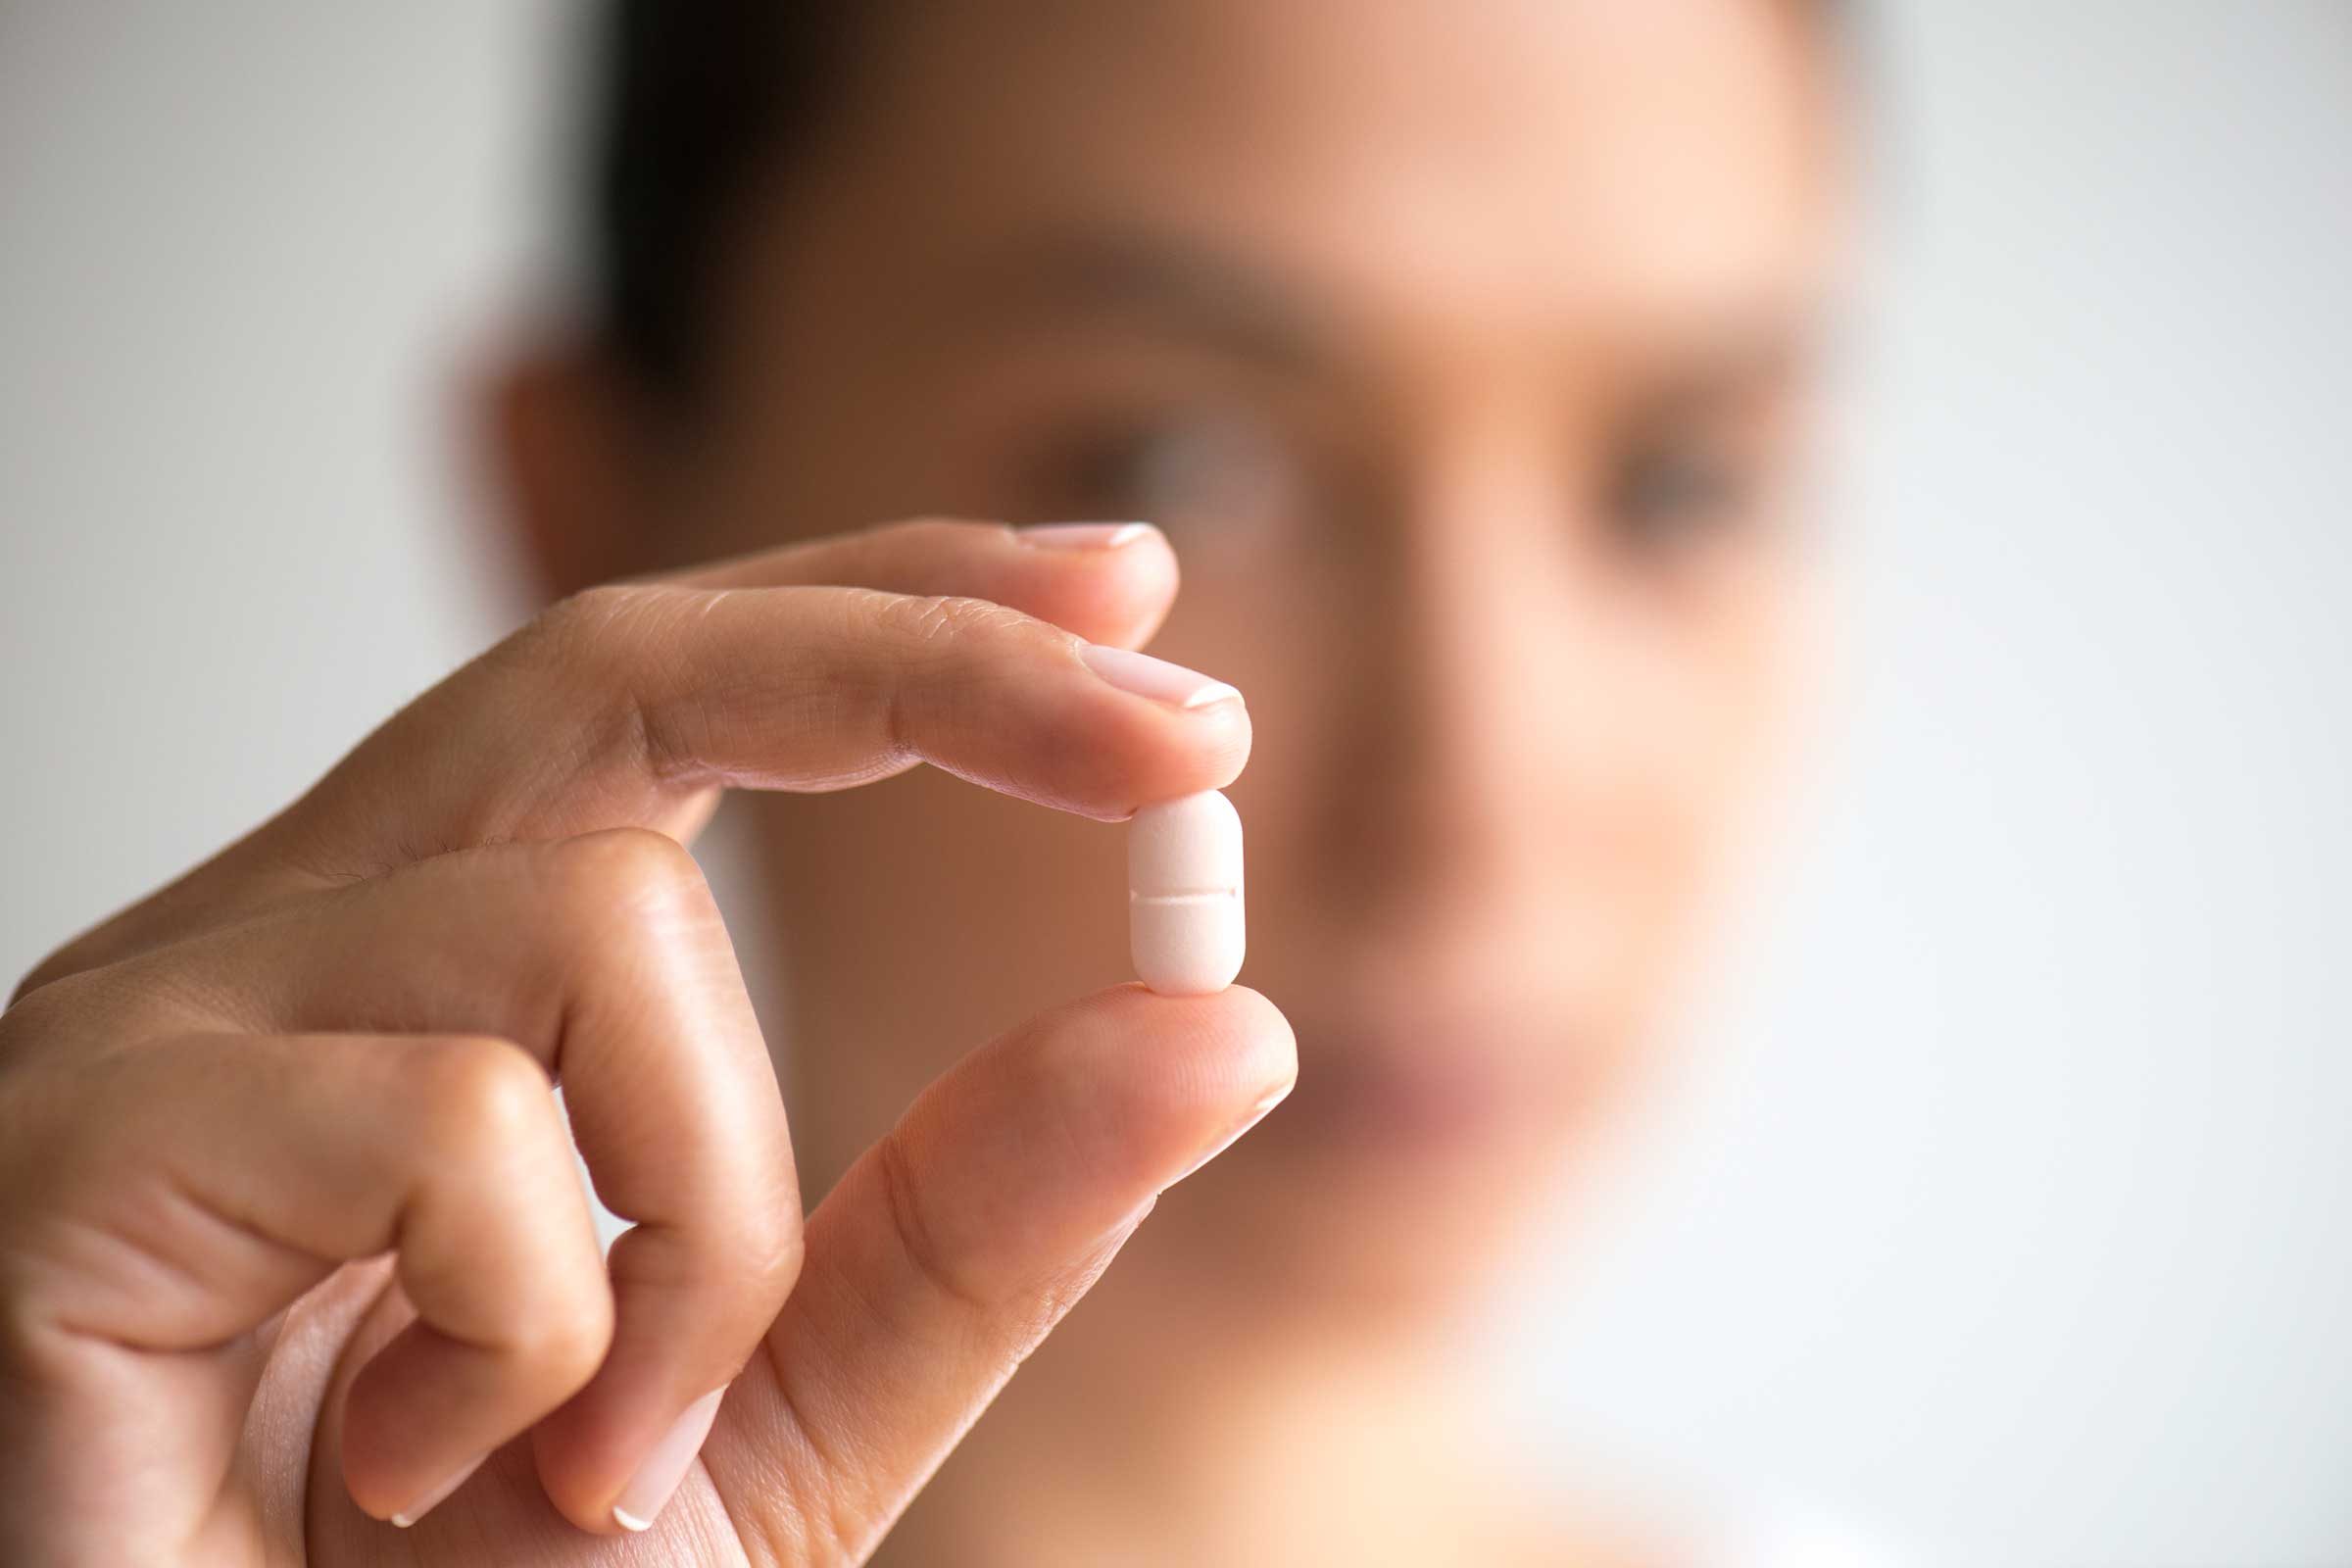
(2007, 1203)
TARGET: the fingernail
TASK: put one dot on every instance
(1144, 677)
(1081, 535)
(641, 1500)
(433, 1499)
(1255, 1114)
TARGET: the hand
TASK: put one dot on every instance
(292, 1234)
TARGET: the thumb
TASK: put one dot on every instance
(957, 1242)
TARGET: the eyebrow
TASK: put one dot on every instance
(1202, 292)
(1162, 282)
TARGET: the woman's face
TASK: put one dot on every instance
(1459, 349)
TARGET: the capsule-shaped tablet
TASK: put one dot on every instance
(1184, 895)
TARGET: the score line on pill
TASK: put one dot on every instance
(1184, 895)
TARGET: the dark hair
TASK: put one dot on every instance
(694, 98)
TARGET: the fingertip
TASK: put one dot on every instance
(1238, 1029)
(693, 1308)
(1081, 538)
(1255, 1012)
(1160, 1079)
(1109, 582)
(665, 1465)
(405, 1516)
(1237, 1017)
(1144, 737)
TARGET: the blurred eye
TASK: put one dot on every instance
(1675, 493)
(1212, 475)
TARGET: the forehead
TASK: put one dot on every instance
(1620, 155)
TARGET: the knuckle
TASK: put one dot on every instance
(587, 655)
(930, 620)
(629, 868)
(941, 650)
(844, 1526)
(592, 616)
(773, 1249)
(592, 638)
(75, 969)
(568, 1332)
(484, 1096)
(28, 1019)
(71, 1010)
(65, 961)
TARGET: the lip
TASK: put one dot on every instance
(1444, 1089)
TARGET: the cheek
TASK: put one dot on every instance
(1658, 739)
(1704, 731)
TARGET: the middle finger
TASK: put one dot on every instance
(605, 957)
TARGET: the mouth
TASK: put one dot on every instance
(1446, 1087)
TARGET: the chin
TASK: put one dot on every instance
(1393, 1187)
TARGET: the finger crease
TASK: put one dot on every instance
(902, 1200)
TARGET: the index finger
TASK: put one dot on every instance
(815, 666)
(621, 706)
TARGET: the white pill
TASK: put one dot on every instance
(1184, 895)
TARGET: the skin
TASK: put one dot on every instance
(1460, 355)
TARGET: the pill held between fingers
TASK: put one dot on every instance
(1184, 894)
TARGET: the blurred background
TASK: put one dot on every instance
(2001, 1208)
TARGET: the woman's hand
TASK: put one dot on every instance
(292, 1236)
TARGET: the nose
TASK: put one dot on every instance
(1438, 784)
